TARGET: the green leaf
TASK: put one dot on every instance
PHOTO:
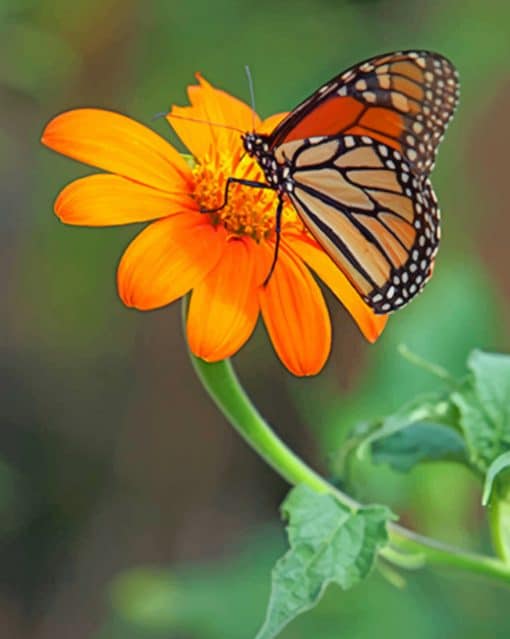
(484, 405)
(328, 543)
(492, 384)
(500, 464)
(432, 408)
(418, 443)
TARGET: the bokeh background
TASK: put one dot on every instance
(129, 508)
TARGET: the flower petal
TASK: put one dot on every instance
(167, 259)
(296, 316)
(106, 200)
(370, 324)
(214, 106)
(116, 143)
(268, 125)
(224, 306)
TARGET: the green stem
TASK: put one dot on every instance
(499, 520)
(222, 384)
(431, 368)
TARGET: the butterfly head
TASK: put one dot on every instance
(258, 147)
(255, 145)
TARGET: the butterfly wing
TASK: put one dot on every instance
(404, 100)
(375, 218)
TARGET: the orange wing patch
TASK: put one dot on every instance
(384, 121)
(359, 130)
(404, 100)
(332, 117)
(409, 69)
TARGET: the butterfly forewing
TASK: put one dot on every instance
(404, 100)
(371, 213)
(354, 160)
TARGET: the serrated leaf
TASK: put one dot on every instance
(418, 443)
(484, 405)
(328, 543)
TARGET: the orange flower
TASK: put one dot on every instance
(223, 257)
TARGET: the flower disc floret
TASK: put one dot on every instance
(248, 211)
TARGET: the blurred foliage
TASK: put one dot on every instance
(110, 455)
(208, 600)
(224, 600)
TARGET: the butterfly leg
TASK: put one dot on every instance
(278, 228)
(233, 180)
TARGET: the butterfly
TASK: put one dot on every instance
(354, 160)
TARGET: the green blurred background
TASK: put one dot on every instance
(128, 507)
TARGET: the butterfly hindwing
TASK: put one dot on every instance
(376, 219)
(404, 100)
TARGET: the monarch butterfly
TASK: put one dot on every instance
(354, 160)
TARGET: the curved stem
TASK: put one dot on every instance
(224, 388)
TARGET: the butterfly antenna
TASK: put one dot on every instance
(182, 117)
(252, 93)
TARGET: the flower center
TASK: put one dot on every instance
(248, 210)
